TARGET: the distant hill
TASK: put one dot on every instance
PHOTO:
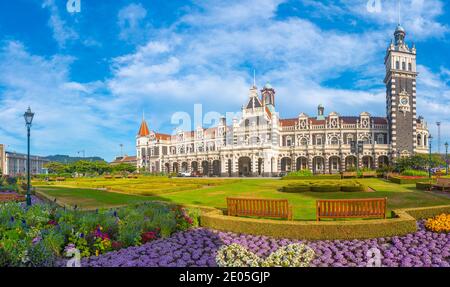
(70, 159)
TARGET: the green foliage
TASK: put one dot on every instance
(312, 177)
(38, 235)
(324, 186)
(423, 185)
(87, 168)
(412, 172)
(418, 162)
(304, 172)
(41, 255)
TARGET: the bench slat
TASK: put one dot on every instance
(259, 207)
(351, 208)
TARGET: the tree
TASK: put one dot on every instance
(418, 162)
(124, 167)
(56, 167)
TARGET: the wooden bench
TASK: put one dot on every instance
(278, 208)
(369, 174)
(442, 184)
(11, 197)
(347, 174)
(351, 208)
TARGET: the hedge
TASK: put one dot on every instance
(423, 185)
(403, 223)
(324, 186)
(400, 180)
(314, 177)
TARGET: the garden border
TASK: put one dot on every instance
(404, 222)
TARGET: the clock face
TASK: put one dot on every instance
(404, 101)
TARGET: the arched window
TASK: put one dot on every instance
(365, 140)
(334, 141)
(319, 140)
(380, 139)
(419, 139)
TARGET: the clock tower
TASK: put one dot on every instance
(400, 80)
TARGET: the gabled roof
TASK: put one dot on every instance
(254, 102)
(143, 130)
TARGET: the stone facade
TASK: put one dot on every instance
(262, 144)
(16, 164)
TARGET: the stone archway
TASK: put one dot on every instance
(318, 164)
(216, 167)
(302, 163)
(286, 163)
(350, 162)
(184, 167)
(383, 161)
(334, 163)
(205, 167)
(260, 166)
(167, 167)
(245, 166)
(194, 166)
(367, 162)
(175, 167)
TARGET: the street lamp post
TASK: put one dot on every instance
(446, 158)
(429, 143)
(28, 120)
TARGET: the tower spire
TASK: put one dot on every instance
(399, 12)
(254, 78)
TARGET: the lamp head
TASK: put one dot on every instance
(28, 116)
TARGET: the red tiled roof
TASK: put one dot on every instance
(143, 130)
(162, 136)
(288, 122)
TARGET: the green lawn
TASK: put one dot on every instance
(213, 192)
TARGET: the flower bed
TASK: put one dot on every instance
(200, 247)
(440, 223)
(39, 235)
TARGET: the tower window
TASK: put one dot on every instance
(404, 66)
(397, 65)
(409, 67)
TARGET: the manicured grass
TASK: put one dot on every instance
(86, 198)
(213, 192)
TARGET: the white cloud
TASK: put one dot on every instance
(130, 20)
(70, 116)
(61, 32)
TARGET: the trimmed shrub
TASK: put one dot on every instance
(406, 180)
(353, 188)
(423, 185)
(412, 172)
(313, 177)
(294, 188)
(325, 188)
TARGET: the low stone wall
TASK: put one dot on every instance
(404, 222)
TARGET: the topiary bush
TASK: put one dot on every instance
(326, 188)
(423, 185)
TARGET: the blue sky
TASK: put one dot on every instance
(90, 75)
